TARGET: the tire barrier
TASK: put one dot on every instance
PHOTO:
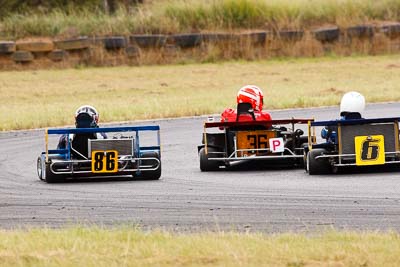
(327, 35)
(38, 46)
(391, 30)
(132, 52)
(217, 37)
(148, 41)
(73, 44)
(170, 50)
(22, 56)
(360, 31)
(290, 35)
(7, 47)
(186, 40)
(115, 42)
(58, 55)
(255, 38)
(207, 46)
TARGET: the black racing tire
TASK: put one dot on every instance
(360, 31)
(39, 168)
(52, 178)
(327, 35)
(7, 47)
(148, 40)
(114, 42)
(291, 35)
(73, 44)
(217, 37)
(36, 46)
(391, 30)
(317, 166)
(302, 161)
(205, 164)
(22, 56)
(150, 175)
(58, 55)
(305, 161)
(186, 40)
(254, 37)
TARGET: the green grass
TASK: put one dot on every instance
(35, 99)
(129, 247)
(166, 16)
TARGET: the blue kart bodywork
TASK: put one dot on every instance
(354, 142)
(55, 165)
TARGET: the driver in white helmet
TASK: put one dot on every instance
(351, 107)
(86, 116)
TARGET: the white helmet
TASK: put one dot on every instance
(91, 111)
(352, 102)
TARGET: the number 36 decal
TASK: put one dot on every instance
(104, 161)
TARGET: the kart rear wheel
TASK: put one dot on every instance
(317, 166)
(207, 165)
(301, 162)
(39, 168)
(305, 162)
(50, 177)
(154, 174)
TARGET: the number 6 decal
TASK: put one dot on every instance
(104, 161)
(370, 150)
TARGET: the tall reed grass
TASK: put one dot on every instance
(279, 13)
(166, 16)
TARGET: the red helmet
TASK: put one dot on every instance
(253, 95)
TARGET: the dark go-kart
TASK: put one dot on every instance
(85, 155)
(358, 143)
(243, 141)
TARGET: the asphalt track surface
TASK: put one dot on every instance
(185, 199)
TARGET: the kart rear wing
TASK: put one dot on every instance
(67, 131)
(266, 123)
(228, 124)
(354, 122)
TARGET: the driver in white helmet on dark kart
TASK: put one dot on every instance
(351, 107)
(85, 117)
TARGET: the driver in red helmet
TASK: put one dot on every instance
(248, 94)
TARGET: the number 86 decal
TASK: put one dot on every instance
(104, 161)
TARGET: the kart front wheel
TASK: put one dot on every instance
(317, 166)
(207, 165)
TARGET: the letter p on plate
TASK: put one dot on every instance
(276, 145)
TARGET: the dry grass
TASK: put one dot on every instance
(128, 247)
(32, 99)
(168, 16)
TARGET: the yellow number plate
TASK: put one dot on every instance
(370, 150)
(104, 161)
(253, 140)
